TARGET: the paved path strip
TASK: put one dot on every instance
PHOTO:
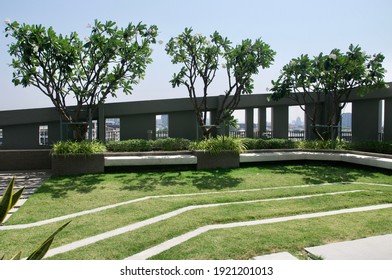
(132, 227)
(29, 180)
(371, 248)
(95, 210)
(185, 237)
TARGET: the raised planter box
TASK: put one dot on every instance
(78, 164)
(24, 160)
(226, 159)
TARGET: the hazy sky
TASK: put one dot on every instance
(291, 28)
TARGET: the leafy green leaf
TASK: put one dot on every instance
(40, 252)
(6, 200)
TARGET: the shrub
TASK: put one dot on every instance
(171, 144)
(372, 147)
(256, 144)
(219, 144)
(78, 148)
(131, 145)
(323, 145)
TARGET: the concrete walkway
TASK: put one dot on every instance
(135, 226)
(30, 180)
(185, 237)
(283, 256)
(95, 210)
(371, 248)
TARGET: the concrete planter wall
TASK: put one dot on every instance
(25, 160)
(226, 159)
(77, 164)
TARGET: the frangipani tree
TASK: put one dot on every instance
(330, 78)
(90, 70)
(202, 57)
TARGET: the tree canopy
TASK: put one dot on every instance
(202, 57)
(88, 70)
(331, 79)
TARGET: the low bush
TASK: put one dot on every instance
(323, 145)
(77, 148)
(219, 144)
(256, 144)
(372, 147)
(171, 144)
(131, 145)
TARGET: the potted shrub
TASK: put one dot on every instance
(218, 152)
(73, 158)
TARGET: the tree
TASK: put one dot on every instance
(330, 79)
(201, 57)
(110, 59)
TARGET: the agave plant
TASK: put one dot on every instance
(7, 202)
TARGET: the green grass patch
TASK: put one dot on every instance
(64, 195)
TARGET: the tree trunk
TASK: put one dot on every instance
(79, 131)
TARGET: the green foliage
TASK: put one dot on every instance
(323, 145)
(40, 252)
(7, 202)
(86, 148)
(372, 146)
(219, 144)
(131, 145)
(255, 144)
(171, 144)
(333, 77)
(200, 59)
(9, 199)
(142, 145)
(90, 70)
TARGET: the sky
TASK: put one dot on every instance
(291, 28)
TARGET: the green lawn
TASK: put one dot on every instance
(65, 195)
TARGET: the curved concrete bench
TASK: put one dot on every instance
(150, 160)
(344, 156)
(374, 160)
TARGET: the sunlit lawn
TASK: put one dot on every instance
(65, 195)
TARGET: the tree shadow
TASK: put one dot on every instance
(60, 186)
(215, 179)
(203, 180)
(321, 172)
(149, 181)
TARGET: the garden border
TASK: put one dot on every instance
(72, 165)
(253, 156)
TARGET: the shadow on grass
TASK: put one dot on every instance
(318, 172)
(147, 181)
(216, 179)
(203, 180)
(60, 186)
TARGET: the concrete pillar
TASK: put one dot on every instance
(309, 128)
(183, 125)
(388, 120)
(249, 122)
(365, 120)
(280, 122)
(137, 126)
(262, 120)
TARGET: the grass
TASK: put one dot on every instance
(65, 195)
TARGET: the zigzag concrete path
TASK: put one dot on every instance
(182, 238)
(37, 178)
(132, 227)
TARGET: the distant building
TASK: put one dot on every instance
(346, 121)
